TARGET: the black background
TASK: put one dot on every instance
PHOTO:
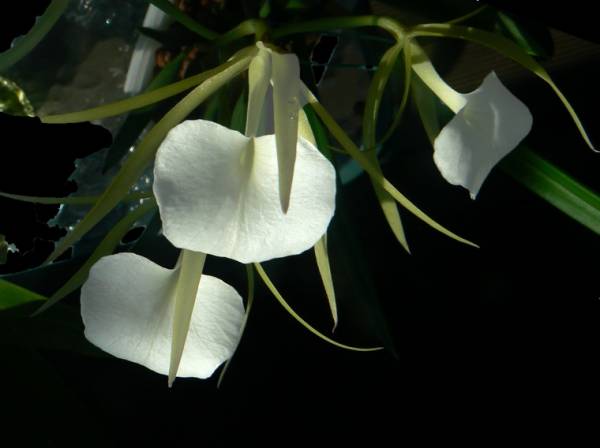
(489, 342)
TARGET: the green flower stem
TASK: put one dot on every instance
(136, 163)
(28, 42)
(389, 25)
(145, 99)
(372, 169)
(171, 10)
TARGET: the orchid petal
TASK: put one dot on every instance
(286, 105)
(186, 291)
(128, 306)
(259, 82)
(217, 193)
(490, 125)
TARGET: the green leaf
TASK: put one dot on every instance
(43, 25)
(168, 8)
(186, 290)
(503, 46)
(12, 295)
(532, 37)
(265, 278)
(555, 186)
(322, 256)
(138, 161)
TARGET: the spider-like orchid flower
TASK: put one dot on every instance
(489, 123)
(220, 193)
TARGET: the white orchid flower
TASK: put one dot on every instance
(176, 322)
(249, 197)
(219, 192)
(489, 123)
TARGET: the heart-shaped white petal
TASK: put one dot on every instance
(490, 125)
(127, 307)
(218, 193)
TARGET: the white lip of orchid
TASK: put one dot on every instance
(217, 193)
(489, 123)
(274, 102)
(139, 311)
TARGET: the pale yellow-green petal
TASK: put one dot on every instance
(322, 256)
(186, 289)
(259, 79)
(286, 105)
(321, 252)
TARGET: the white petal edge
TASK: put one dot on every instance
(127, 310)
(217, 193)
(490, 125)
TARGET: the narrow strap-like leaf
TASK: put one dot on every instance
(555, 186)
(265, 278)
(42, 26)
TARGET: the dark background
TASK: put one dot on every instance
(490, 341)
